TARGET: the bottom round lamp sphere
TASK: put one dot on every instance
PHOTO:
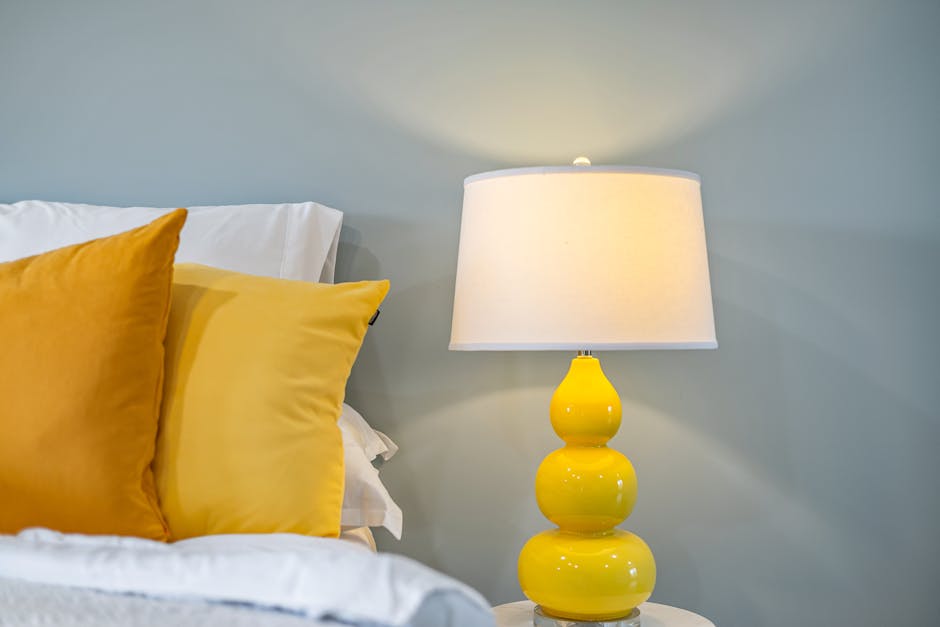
(587, 577)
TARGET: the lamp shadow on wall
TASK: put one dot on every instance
(623, 79)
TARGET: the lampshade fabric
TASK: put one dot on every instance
(582, 257)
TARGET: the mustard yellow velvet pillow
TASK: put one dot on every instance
(255, 378)
(81, 375)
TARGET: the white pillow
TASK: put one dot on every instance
(288, 241)
(373, 443)
(366, 501)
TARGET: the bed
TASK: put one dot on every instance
(257, 491)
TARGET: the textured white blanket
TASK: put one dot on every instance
(314, 577)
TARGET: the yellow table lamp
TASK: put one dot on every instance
(583, 258)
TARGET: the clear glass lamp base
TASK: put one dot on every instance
(541, 619)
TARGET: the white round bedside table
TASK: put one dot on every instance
(519, 614)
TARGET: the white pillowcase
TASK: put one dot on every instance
(373, 443)
(366, 501)
(288, 241)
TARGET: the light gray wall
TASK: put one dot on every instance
(791, 477)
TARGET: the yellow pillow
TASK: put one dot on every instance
(81, 372)
(255, 379)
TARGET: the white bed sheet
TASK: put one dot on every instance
(270, 578)
(26, 604)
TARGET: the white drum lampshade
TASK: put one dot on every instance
(582, 257)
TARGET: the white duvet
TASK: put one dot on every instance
(318, 578)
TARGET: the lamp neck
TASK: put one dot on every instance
(585, 353)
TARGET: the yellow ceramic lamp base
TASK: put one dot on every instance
(586, 569)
